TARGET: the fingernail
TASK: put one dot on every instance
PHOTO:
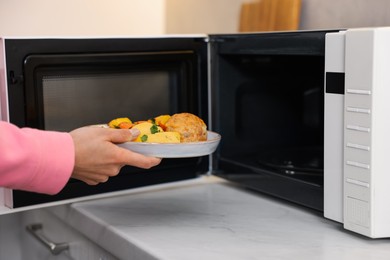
(134, 132)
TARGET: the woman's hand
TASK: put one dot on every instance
(98, 157)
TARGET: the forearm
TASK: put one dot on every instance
(34, 160)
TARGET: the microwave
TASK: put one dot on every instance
(302, 114)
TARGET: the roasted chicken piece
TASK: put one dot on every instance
(191, 127)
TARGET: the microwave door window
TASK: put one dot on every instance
(65, 84)
(70, 102)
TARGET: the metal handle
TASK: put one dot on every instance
(55, 248)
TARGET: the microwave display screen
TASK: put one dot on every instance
(70, 102)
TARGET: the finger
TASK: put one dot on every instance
(90, 182)
(99, 176)
(123, 135)
(103, 179)
(96, 180)
(138, 160)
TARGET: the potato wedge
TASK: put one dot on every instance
(161, 137)
(146, 128)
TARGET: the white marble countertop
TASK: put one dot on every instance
(212, 219)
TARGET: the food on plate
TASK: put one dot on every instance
(121, 123)
(177, 128)
(161, 121)
(161, 137)
(190, 127)
(146, 128)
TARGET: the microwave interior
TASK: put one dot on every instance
(268, 103)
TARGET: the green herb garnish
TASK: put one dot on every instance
(154, 129)
(144, 138)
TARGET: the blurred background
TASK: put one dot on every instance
(151, 17)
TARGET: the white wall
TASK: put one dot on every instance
(203, 16)
(321, 14)
(81, 17)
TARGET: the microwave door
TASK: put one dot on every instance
(65, 83)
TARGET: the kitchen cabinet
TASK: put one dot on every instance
(17, 243)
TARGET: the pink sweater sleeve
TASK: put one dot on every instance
(35, 160)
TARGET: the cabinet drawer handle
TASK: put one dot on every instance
(55, 248)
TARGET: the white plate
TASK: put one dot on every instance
(181, 150)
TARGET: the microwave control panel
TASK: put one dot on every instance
(365, 134)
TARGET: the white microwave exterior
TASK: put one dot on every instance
(333, 130)
(357, 191)
(366, 161)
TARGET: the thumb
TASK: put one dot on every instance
(124, 135)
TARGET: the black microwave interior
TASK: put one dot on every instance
(268, 103)
(69, 83)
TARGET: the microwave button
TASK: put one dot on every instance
(358, 146)
(359, 110)
(357, 182)
(358, 128)
(357, 189)
(359, 91)
(358, 164)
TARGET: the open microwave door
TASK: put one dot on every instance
(61, 84)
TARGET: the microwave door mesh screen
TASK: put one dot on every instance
(70, 102)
